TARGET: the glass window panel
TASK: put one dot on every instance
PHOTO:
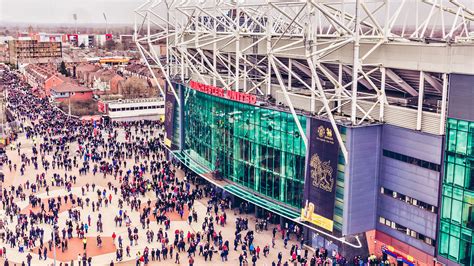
(452, 123)
(276, 186)
(277, 161)
(465, 252)
(471, 127)
(251, 173)
(455, 231)
(444, 243)
(452, 140)
(299, 193)
(300, 167)
(463, 125)
(449, 172)
(457, 193)
(446, 211)
(468, 215)
(470, 144)
(289, 189)
(454, 247)
(456, 211)
(461, 142)
(450, 158)
(469, 177)
(459, 175)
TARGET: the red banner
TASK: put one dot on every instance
(101, 107)
(220, 92)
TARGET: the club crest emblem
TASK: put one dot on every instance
(321, 174)
(321, 131)
(329, 132)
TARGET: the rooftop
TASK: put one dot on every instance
(70, 87)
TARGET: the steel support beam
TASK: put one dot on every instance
(434, 82)
(421, 88)
(382, 96)
(355, 65)
(288, 101)
(405, 86)
(444, 104)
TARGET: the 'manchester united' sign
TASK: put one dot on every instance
(220, 92)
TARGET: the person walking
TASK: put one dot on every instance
(28, 259)
(177, 258)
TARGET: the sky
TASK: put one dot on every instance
(121, 11)
(61, 11)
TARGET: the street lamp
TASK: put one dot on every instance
(54, 243)
(74, 16)
(106, 23)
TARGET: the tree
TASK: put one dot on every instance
(74, 71)
(127, 46)
(135, 87)
(82, 46)
(110, 45)
(62, 69)
(119, 47)
(80, 108)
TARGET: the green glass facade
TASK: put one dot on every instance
(456, 236)
(258, 148)
(339, 204)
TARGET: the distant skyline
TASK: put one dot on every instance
(61, 11)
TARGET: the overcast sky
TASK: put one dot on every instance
(121, 11)
(60, 11)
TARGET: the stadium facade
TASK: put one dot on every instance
(341, 118)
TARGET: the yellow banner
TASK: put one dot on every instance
(317, 219)
(167, 142)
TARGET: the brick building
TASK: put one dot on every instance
(43, 77)
(32, 51)
(84, 72)
(74, 92)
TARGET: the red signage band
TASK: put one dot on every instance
(220, 92)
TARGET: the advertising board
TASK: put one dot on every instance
(321, 175)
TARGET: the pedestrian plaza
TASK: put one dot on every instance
(113, 198)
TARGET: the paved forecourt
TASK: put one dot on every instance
(106, 253)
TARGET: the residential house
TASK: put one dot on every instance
(105, 81)
(74, 92)
(83, 73)
(116, 84)
(136, 70)
(43, 77)
(142, 72)
(52, 81)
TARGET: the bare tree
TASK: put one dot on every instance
(110, 45)
(135, 87)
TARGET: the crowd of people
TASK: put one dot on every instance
(122, 164)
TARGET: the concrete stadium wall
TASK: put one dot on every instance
(360, 188)
(411, 180)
